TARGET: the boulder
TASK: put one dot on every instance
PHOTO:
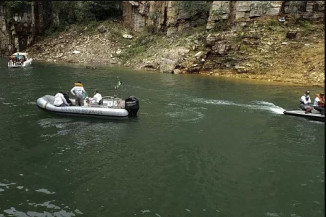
(167, 65)
(199, 54)
(127, 36)
(221, 48)
(170, 58)
(291, 34)
(118, 51)
(176, 71)
(149, 65)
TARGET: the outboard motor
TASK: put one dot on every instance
(132, 106)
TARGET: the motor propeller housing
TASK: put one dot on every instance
(132, 106)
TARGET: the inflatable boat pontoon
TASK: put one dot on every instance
(313, 116)
(112, 107)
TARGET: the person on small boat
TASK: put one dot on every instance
(22, 59)
(79, 92)
(319, 103)
(13, 59)
(66, 96)
(59, 100)
(96, 99)
(322, 99)
(305, 102)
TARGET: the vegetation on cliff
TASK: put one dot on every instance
(262, 50)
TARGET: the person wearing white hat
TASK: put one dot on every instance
(305, 102)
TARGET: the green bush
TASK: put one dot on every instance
(18, 7)
(139, 45)
(273, 22)
(78, 12)
(193, 7)
(221, 25)
(307, 27)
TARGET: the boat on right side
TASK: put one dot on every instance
(314, 115)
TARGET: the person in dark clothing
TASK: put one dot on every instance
(65, 94)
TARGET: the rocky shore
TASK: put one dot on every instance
(262, 50)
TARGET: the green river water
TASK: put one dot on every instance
(201, 146)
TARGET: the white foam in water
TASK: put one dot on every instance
(45, 191)
(259, 105)
(46, 204)
(13, 212)
(270, 106)
(145, 211)
(271, 214)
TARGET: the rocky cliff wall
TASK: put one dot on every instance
(169, 17)
(166, 16)
(236, 10)
(19, 30)
(4, 36)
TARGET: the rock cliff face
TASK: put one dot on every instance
(173, 16)
(18, 31)
(238, 38)
(4, 37)
(166, 16)
(230, 29)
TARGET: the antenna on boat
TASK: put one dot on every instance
(116, 87)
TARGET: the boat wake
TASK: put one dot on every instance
(256, 105)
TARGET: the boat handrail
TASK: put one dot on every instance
(110, 97)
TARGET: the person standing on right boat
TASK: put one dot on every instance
(319, 103)
(305, 102)
(78, 91)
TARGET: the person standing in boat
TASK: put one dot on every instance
(319, 103)
(79, 92)
(59, 100)
(305, 102)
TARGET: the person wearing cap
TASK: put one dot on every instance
(319, 103)
(79, 92)
(305, 102)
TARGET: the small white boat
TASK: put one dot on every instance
(314, 115)
(111, 107)
(19, 60)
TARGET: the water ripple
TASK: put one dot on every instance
(186, 114)
(63, 213)
(45, 191)
(49, 207)
(257, 105)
